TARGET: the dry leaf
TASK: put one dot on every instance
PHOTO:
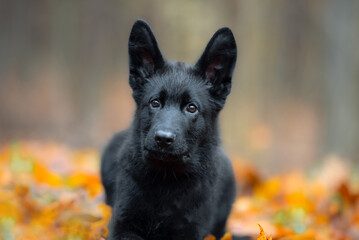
(227, 236)
(49, 191)
(262, 235)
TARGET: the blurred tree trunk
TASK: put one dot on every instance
(341, 68)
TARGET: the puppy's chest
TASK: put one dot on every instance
(159, 213)
(164, 205)
(171, 202)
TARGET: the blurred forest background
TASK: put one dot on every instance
(295, 97)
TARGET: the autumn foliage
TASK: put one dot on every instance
(49, 191)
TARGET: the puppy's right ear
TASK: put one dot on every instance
(145, 57)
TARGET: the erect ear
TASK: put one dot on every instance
(145, 57)
(217, 63)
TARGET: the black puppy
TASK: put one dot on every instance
(167, 177)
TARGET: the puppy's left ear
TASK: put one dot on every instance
(217, 63)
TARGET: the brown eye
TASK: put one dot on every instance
(155, 103)
(191, 108)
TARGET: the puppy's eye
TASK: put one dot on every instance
(155, 103)
(191, 108)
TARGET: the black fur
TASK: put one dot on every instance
(167, 177)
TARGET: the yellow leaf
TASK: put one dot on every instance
(43, 175)
(210, 237)
(269, 189)
(299, 199)
(262, 235)
(227, 236)
(91, 182)
(99, 228)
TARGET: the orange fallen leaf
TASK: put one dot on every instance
(43, 175)
(268, 189)
(262, 235)
(210, 237)
(50, 191)
(91, 182)
(227, 236)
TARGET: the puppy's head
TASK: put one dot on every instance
(178, 103)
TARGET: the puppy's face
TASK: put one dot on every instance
(177, 103)
(173, 110)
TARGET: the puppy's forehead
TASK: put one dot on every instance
(178, 73)
(177, 79)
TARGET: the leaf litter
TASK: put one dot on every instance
(49, 191)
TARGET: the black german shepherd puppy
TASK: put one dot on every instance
(167, 176)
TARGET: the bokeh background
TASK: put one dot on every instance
(295, 98)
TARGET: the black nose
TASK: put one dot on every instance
(164, 138)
